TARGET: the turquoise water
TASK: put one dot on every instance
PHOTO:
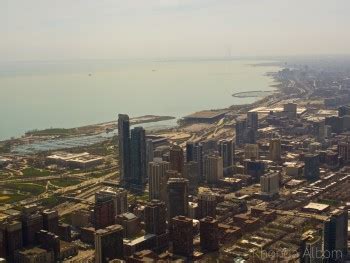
(39, 95)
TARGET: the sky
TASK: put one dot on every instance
(119, 29)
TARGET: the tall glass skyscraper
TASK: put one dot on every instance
(124, 148)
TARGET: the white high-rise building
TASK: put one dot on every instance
(157, 179)
(270, 183)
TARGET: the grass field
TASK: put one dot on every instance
(33, 172)
(65, 182)
(29, 188)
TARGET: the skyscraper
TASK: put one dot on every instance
(240, 128)
(176, 158)
(275, 149)
(194, 152)
(182, 236)
(206, 205)
(213, 168)
(109, 244)
(155, 217)
(149, 151)
(290, 109)
(252, 120)
(104, 211)
(344, 151)
(311, 246)
(270, 184)
(138, 157)
(119, 197)
(14, 238)
(209, 229)
(312, 167)
(336, 235)
(251, 151)
(50, 220)
(177, 202)
(124, 148)
(31, 223)
(191, 174)
(157, 179)
(226, 150)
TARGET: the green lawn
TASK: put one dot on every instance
(65, 182)
(11, 198)
(50, 132)
(29, 188)
(33, 172)
(50, 202)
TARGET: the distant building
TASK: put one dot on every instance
(177, 197)
(124, 148)
(191, 174)
(254, 168)
(14, 238)
(206, 205)
(34, 254)
(176, 159)
(312, 167)
(270, 184)
(50, 220)
(213, 168)
(119, 197)
(50, 242)
(344, 151)
(31, 223)
(253, 120)
(74, 160)
(182, 236)
(226, 149)
(155, 217)
(157, 179)
(149, 151)
(251, 151)
(104, 211)
(240, 128)
(290, 110)
(194, 152)
(109, 244)
(275, 149)
(335, 235)
(138, 157)
(343, 110)
(209, 234)
(311, 246)
(130, 223)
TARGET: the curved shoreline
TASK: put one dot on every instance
(253, 93)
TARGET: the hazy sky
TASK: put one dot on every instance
(79, 29)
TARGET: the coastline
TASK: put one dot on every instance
(106, 127)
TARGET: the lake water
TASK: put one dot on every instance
(39, 95)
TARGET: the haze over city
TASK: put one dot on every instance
(46, 30)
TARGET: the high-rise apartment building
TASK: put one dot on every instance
(182, 236)
(209, 231)
(176, 158)
(109, 244)
(226, 149)
(275, 149)
(124, 148)
(138, 157)
(177, 202)
(213, 168)
(157, 179)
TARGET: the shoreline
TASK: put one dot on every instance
(106, 127)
